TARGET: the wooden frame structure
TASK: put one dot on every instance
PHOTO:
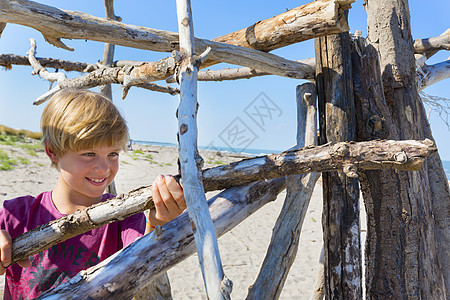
(324, 20)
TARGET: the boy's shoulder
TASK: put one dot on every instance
(25, 201)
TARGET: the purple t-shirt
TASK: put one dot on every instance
(62, 261)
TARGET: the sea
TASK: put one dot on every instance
(253, 152)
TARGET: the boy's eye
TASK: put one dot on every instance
(89, 154)
(114, 154)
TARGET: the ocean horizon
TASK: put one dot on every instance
(250, 151)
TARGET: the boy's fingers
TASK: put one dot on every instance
(25, 263)
(167, 196)
(176, 191)
(160, 207)
(5, 249)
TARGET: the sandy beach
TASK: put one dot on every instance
(242, 249)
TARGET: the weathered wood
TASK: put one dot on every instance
(421, 58)
(2, 27)
(433, 73)
(406, 259)
(292, 26)
(246, 73)
(299, 188)
(108, 57)
(7, 60)
(157, 289)
(55, 24)
(160, 250)
(319, 293)
(432, 44)
(403, 155)
(340, 218)
(191, 162)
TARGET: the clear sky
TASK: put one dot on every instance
(224, 106)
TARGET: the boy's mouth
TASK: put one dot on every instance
(93, 180)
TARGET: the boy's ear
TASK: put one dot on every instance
(52, 155)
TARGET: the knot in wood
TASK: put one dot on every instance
(185, 21)
(183, 128)
(226, 286)
(158, 232)
(340, 149)
(429, 143)
(350, 170)
(401, 157)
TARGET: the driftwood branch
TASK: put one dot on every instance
(422, 57)
(55, 24)
(430, 74)
(402, 155)
(433, 44)
(160, 250)
(244, 73)
(7, 60)
(292, 26)
(127, 75)
(216, 284)
(299, 188)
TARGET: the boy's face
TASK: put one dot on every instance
(87, 173)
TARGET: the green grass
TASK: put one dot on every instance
(138, 152)
(31, 152)
(23, 160)
(6, 163)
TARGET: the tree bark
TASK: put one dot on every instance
(160, 250)
(405, 155)
(407, 211)
(299, 188)
(340, 218)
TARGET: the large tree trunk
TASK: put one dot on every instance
(407, 211)
(340, 219)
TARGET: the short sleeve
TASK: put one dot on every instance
(132, 228)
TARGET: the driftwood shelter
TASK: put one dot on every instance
(372, 133)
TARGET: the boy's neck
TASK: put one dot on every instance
(67, 202)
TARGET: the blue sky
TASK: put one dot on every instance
(224, 106)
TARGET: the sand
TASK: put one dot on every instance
(242, 249)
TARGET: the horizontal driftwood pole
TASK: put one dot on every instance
(120, 276)
(55, 24)
(402, 155)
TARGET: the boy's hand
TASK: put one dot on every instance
(169, 201)
(5, 253)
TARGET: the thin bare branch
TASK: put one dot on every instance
(7, 60)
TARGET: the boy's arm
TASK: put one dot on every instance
(5, 253)
(169, 202)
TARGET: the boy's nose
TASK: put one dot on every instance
(102, 166)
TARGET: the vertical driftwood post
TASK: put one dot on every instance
(286, 233)
(342, 253)
(108, 56)
(217, 286)
(407, 212)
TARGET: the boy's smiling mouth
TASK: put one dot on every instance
(96, 180)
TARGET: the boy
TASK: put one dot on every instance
(83, 133)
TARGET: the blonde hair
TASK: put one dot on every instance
(75, 120)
